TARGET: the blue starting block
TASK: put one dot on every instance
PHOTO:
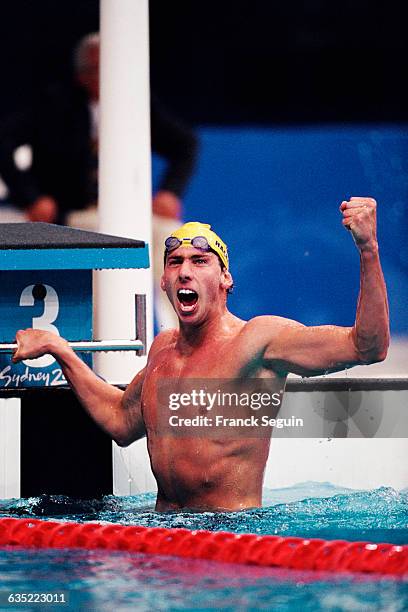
(46, 283)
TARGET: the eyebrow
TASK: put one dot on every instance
(193, 257)
(196, 256)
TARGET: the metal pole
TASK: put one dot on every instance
(124, 175)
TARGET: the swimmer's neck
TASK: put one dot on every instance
(215, 327)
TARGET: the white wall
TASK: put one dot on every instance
(9, 448)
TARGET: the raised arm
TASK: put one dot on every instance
(292, 347)
(118, 413)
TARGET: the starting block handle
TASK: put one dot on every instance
(140, 322)
(93, 346)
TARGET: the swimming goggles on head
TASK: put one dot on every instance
(198, 242)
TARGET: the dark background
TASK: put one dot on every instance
(259, 62)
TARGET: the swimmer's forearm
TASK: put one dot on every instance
(101, 400)
(371, 330)
(118, 413)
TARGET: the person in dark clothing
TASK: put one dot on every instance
(64, 162)
(62, 131)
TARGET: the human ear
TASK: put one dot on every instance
(226, 280)
(162, 284)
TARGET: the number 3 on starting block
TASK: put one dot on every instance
(57, 301)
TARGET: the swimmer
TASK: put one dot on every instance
(207, 473)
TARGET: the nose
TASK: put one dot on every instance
(185, 271)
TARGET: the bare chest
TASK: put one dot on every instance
(220, 360)
(171, 373)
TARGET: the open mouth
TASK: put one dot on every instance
(187, 298)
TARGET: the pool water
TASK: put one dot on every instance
(102, 580)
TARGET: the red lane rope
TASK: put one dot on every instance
(287, 552)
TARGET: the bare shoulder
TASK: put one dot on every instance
(267, 327)
(163, 340)
(263, 337)
(260, 333)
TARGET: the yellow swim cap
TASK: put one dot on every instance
(190, 234)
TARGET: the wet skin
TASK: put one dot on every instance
(218, 472)
(204, 472)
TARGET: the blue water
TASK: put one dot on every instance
(101, 580)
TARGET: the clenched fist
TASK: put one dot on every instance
(33, 343)
(359, 216)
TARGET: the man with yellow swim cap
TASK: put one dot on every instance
(208, 467)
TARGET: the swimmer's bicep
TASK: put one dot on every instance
(310, 351)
